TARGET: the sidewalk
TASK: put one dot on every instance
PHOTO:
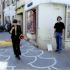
(33, 58)
(5, 39)
(4, 36)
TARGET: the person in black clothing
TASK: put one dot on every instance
(15, 34)
(59, 31)
(9, 27)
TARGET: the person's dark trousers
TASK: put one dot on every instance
(59, 40)
(16, 47)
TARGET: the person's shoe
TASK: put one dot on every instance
(18, 57)
(61, 49)
(19, 53)
(56, 50)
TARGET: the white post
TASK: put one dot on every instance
(66, 22)
(24, 25)
(1, 13)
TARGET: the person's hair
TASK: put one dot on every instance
(59, 17)
(14, 20)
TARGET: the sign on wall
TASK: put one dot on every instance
(30, 4)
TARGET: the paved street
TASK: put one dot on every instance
(32, 58)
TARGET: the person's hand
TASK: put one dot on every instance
(54, 35)
(13, 28)
(63, 36)
(21, 37)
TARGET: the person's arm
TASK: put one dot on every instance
(54, 30)
(20, 31)
(63, 30)
(11, 29)
(63, 33)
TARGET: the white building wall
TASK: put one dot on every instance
(47, 15)
(35, 3)
(20, 3)
(49, 9)
(24, 25)
(38, 2)
(61, 1)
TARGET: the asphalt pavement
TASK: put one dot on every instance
(32, 58)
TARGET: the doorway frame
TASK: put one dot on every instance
(36, 35)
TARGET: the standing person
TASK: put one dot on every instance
(59, 32)
(15, 34)
(9, 27)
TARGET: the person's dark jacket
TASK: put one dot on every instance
(19, 32)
